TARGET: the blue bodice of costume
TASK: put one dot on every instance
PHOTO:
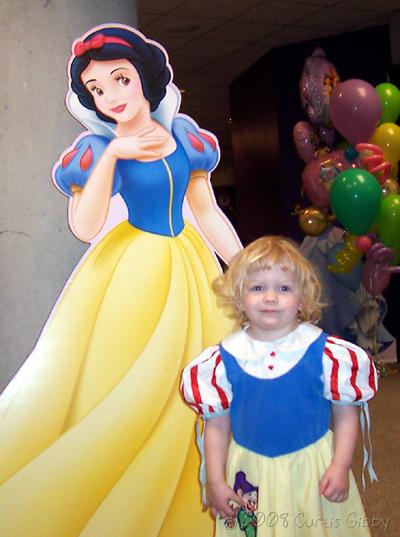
(278, 416)
(153, 191)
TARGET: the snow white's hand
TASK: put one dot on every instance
(143, 145)
(334, 484)
(220, 499)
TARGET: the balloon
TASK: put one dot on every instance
(355, 110)
(318, 79)
(387, 136)
(375, 276)
(318, 176)
(392, 185)
(388, 224)
(327, 135)
(355, 199)
(363, 243)
(306, 140)
(389, 96)
(313, 221)
(372, 159)
(350, 279)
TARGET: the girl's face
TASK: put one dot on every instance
(116, 88)
(271, 301)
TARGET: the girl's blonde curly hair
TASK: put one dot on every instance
(262, 254)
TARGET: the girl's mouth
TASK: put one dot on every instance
(119, 109)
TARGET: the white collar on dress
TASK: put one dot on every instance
(244, 347)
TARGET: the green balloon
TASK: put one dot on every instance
(355, 199)
(389, 95)
(388, 224)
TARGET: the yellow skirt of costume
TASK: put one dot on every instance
(94, 438)
(289, 503)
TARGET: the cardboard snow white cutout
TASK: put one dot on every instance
(94, 439)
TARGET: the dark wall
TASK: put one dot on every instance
(265, 106)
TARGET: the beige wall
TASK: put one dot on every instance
(37, 249)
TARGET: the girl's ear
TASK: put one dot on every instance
(239, 305)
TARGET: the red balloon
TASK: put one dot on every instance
(363, 243)
(355, 110)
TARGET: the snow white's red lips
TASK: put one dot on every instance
(119, 108)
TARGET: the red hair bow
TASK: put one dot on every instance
(83, 46)
(98, 41)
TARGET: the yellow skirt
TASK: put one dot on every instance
(94, 438)
(289, 504)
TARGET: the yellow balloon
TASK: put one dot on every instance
(387, 136)
(392, 185)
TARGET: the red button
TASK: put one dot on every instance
(270, 367)
(272, 353)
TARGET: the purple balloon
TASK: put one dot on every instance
(355, 110)
(317, 82)
(306, 140)
(376, 272)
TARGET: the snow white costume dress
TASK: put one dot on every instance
(278, 395)
(95, 440)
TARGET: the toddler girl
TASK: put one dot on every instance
(275, 384)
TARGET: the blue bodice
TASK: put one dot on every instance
(154, 192)
(278, 416)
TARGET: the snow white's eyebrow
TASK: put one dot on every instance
(117, 69)
(113, 71)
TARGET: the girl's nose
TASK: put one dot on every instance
(270, 296)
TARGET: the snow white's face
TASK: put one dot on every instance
(116, 88)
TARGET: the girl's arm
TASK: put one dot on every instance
(334, 484)
(216, 443)
(212, 221)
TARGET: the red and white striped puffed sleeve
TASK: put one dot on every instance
(350, 376)
(205, 386)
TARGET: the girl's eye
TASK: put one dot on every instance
(123, 80)
(285, 288)
(256, 288)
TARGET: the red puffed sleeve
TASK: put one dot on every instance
(205, 387)
(350, 376)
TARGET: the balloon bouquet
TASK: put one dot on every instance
(356, 180)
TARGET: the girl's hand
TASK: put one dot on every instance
(220, 497)
(143, 145)
(334, 484)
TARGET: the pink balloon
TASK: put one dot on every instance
(319, 174)
(355, 110)
(306, 141)
(318, 79)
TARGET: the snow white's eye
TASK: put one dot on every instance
(123, 80)
(98, 91)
